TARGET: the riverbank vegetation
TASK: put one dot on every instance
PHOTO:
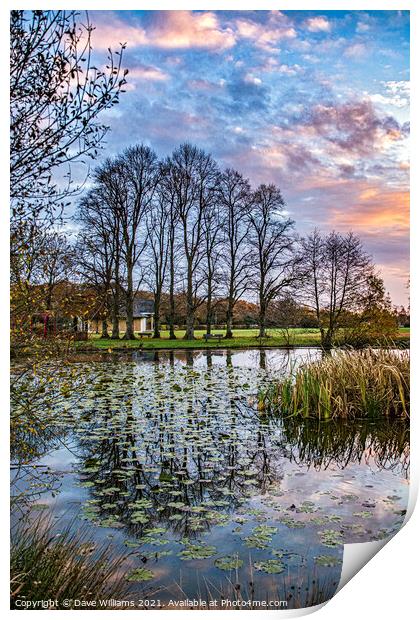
(241, 339)
(347, 384)
(61, 567)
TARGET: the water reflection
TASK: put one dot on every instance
(168, 448)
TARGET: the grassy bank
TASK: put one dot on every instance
(347, 384)
(243, 338)
(68, 566)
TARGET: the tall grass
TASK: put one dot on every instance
(66, 566)
(347, 384)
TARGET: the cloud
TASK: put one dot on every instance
(353, 126)
(252, 79)
(318, 24)
(376, 210)
(357, 50)
(362, 27)
(397, 94)
(266, 35)
(147, 73)
(167, 30)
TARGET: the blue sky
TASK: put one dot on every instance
(314, 101)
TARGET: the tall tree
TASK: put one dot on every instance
(337, 275)
(234, 194)
(159, 239)
(168, 190)
(194, 175)
(56, 100)
(272, 239)
(98, 249)
(128, 183)
(213, 250)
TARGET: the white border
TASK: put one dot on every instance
(386, 587)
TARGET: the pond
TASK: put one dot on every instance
(166, 457)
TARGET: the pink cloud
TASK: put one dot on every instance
(357, 50)
(318, 24)
(147, 73)
(266, 35)
(168, 30)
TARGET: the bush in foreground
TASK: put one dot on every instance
(66, 566)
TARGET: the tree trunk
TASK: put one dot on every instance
(104, 333)
(129, 332)
(327, 339)
(115, 316)
(172, 295)
(189, 332)
(156, 318)
(261, 319)
(229, 318)
(208, 307)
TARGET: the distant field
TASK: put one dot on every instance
(242, 338)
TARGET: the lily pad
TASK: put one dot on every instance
(272, 566)
(331, 538)
(197, 551)
(228, 562)
(327, 560)
(140, 574)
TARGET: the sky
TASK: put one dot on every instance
(316, 102)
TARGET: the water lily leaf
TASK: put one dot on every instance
(327, 560)
(140, 574)
(228, 562)
(364, 514)
(271, 566)
(331, 538)
(196, 551)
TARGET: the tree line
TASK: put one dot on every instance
(173, 226)
(181, 224)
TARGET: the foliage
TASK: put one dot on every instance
(65, 566)
(56, 96)
(351, 384)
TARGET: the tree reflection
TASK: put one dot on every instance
(322, 444)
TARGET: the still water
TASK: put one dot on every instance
(165, 457)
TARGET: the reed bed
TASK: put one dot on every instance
(68, 566)
(345, 384)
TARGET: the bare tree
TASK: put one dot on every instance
(272, 238)
(234, 194)
(56, 95)
(213, 250)
(168, 189)
(111, 199)
(194, 174)
(128, 183)
(337, 273)
(98, 249)
(159, 239)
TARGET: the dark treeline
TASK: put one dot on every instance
(182, 226)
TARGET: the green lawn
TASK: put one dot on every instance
(242, 338)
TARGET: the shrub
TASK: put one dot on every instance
(347, 384)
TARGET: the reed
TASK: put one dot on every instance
(345, 384)
(68, 566)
